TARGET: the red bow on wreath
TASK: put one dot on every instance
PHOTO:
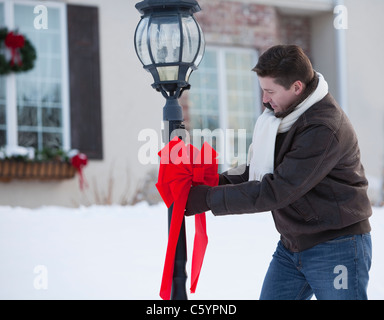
(15, 42)
(180, 168)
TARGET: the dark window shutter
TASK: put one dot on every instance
(84, 75)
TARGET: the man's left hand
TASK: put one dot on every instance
(197, 200)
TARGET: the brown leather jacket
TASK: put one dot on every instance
(318, 190)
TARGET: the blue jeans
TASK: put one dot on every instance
(333, 270)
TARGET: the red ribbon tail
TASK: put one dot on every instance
(199, 248)
(174, 231)
(166, 281)
(82, 181)
(18, 58)
(13, 56)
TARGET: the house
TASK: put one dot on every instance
(88, 90)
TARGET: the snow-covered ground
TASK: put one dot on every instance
(114, 252)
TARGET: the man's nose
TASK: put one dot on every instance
(266, 98)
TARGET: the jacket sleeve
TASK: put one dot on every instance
(235, 176)
(314, 153)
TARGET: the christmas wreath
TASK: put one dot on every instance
(23, 54)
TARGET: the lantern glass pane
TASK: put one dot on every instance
(168, 73)
(190, 39)
(189, 72)
(165, 39)
(202, 48)
(142, 42)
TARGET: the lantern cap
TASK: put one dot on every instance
(149, 5)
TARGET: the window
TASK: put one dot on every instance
(225, 95)
(34, 108)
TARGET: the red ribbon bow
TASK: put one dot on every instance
(14, 42)
(181, 167)
(79, 161)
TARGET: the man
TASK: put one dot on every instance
(304, 166)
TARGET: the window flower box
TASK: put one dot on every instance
(35, 170)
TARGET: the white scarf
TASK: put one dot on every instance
(262, 150)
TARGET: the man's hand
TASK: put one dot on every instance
(197, 200)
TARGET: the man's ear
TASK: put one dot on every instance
(298, 87)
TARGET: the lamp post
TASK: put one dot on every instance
(170, 45)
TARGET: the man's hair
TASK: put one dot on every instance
(286, 64)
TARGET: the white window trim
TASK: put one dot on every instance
(11, 95)
(65, 80)
(10, 80)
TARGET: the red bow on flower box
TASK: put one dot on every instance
(181, 167)
(79, 161)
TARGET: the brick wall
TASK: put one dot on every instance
(251, 25)
(296, 30)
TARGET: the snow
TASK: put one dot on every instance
(117, 252)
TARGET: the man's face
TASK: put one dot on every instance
(277, 96)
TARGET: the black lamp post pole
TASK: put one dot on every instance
(173, 118)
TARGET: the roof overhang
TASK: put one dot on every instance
(296, 7)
